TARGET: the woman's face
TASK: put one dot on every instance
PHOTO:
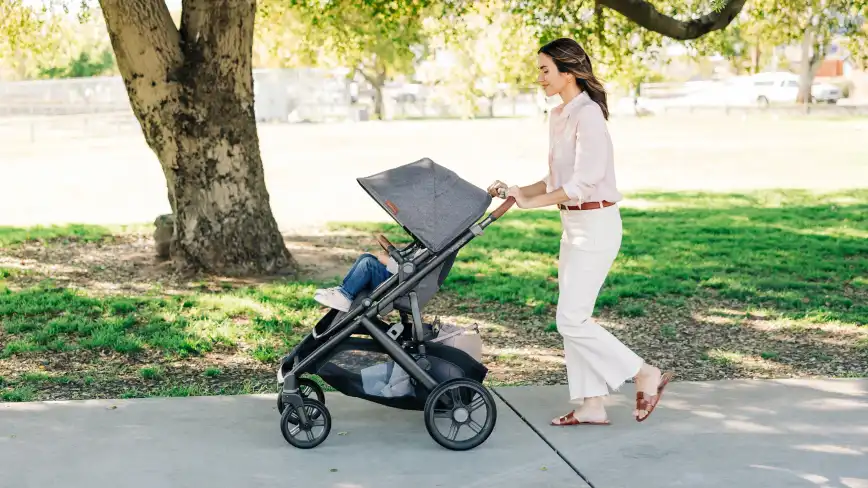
(552, 81)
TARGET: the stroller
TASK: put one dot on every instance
(400, 365)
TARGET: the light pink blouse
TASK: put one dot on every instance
(580, 153)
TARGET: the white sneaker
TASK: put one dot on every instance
(333, 298)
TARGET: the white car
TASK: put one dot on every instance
(783, 87)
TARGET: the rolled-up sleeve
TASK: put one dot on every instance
(591, 153)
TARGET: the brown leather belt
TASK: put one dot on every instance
(587, 205)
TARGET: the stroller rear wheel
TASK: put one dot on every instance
(308, 388)
(310, 434)
(456, 406)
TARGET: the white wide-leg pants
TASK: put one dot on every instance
(595, 358)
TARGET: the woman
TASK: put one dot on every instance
(581, 182)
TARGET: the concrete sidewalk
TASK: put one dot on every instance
(716, 434)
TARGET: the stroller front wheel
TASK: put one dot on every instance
(456, 406)
(311, 433)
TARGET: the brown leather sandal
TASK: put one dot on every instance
(570, 419)
(650, 403)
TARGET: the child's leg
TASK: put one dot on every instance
(366, 272)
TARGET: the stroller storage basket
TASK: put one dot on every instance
(359, 367)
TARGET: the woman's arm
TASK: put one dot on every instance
(546, 199)
(534, 190)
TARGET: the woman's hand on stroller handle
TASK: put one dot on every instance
(498, 189)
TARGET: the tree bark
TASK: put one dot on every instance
(756, 57)
(379, 106)
(646, 15)
(192, 92)
(378, 82)
(812, 58)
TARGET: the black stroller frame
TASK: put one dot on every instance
(443, 400)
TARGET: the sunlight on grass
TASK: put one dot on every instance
(10, 236)
(268, 319)
(797, 254)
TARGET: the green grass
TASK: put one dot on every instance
(269, 318)
(795, 254)
(10, 236)
(778, 254)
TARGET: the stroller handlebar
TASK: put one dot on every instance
(499, 211)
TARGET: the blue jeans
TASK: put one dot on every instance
(367, 272)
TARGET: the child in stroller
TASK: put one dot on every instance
(400, 365)
(367, 273)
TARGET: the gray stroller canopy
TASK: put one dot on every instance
(431, 202)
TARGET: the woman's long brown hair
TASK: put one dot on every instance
(569, 57)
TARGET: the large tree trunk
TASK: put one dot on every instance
(192, 92)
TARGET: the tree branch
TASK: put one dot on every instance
(144, 38)
(217, 39)
(646, 15)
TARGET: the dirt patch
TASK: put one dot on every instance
(128, 263)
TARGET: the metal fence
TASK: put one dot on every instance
(280, 94)
(63, 97)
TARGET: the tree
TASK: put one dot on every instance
(377, 40)
(812, 24)
(488, 48)
(28, 36)
(81, 66)
(80, 48)
(279, 37)
(191, 89)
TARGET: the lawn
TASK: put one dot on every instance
(762, 284)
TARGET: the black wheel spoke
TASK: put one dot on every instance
(442, 414)
(474, 426)
(453, 430)
(456, 398)
(475, 404)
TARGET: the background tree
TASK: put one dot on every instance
(811, 24)
(487, 51)
(28, 37)
(377, 40)
(279, 37)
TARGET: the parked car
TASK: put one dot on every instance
(783, 87)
